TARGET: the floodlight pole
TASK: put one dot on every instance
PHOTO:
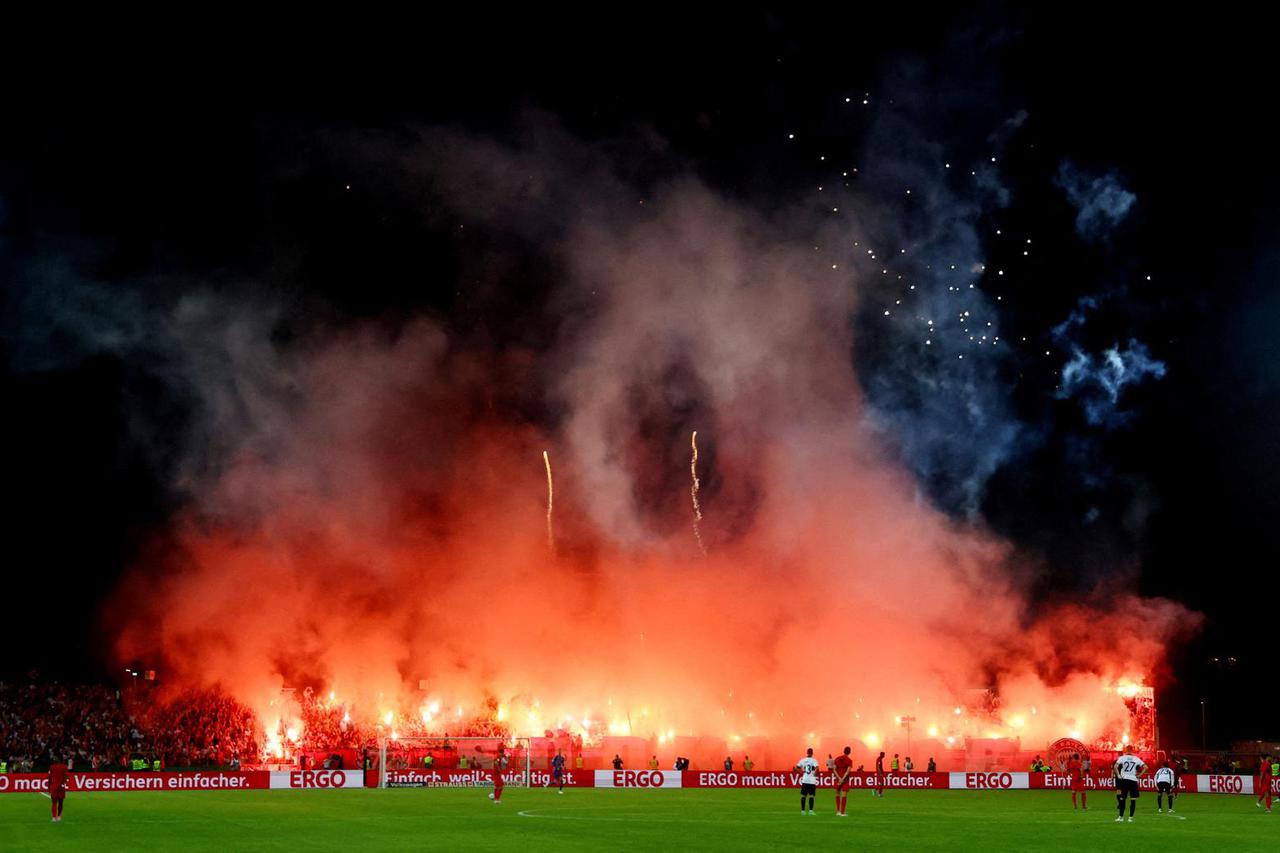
(906, 722)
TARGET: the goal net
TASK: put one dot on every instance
(451, 761)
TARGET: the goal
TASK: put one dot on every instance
(451, 761)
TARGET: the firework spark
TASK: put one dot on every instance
(551, 495)
(693, 492)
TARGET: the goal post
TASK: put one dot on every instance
(461, 761)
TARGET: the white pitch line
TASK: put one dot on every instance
(642, 818)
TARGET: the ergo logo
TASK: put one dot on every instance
(317, 779)
(988, 780)
(638, 778)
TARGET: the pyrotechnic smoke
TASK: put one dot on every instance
(1100, 200)
(693, 492)
(360, 499)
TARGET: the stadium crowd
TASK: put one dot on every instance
(203, 728)
(87, 724)
(100, 728)
(135, 728)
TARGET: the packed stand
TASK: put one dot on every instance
(200, 728)
(88, 725)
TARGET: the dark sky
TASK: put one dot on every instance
(209, 152)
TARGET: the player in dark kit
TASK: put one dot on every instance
(843, 767)
(557, 770)
(57, 788)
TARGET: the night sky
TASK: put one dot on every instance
(1113, 170)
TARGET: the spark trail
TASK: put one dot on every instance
(693, 492)
(551, 495)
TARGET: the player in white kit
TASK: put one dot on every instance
(1126, 771)
(1166, 786)
(808, 767)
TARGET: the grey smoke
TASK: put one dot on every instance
(1098, 381)
(1100, 201)
(944, 403)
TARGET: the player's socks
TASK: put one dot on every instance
(1133, 805)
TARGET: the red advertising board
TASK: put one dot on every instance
(451, 778)
(791, 779)
(19, 783)
(1100, 781)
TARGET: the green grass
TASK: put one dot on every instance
(464, 819)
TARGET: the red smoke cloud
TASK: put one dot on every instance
(368, 512)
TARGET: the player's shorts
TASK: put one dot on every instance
(844, 786)
(556, 774)
(1127, 787)
(1164, 787)
(808, 790)
(1077, 783)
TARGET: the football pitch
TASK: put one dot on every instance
(705, 819)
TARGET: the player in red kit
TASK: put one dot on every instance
(499, 764)
(879, 791)
(57, 788)
(843, 771)
(1264, 782)
(1077, 781)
